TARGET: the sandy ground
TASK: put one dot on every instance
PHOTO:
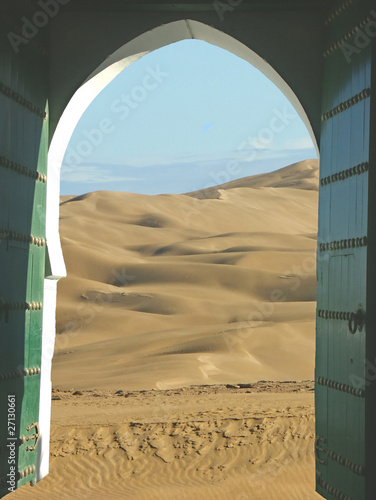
(174, 310)
(200, 442)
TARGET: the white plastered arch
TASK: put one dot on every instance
(132, 51)
(112, 67)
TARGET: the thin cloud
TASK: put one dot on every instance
(177, 175)
(300, 143)
(214, 159)
(86, 174)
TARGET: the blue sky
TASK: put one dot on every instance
(184, 117)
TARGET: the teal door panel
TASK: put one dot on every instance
(23, 167)
(343, 467)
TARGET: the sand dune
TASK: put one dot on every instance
(175, 312)
(172, 289)
(302, 175)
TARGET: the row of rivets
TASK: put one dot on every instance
(319, 450)
(360, 393)
(23, 238)
(7, 307)
(345, 174)
(357, 469)
(26, 472)
(20, 169)
(338, 11)
(332, 490)
(22, 101)
(347, 104)
(353, 31)
(31, 371)
(34, 306)
(31, 42)
(334, 315)
(21, 306)
(343, 244)
(27, 372)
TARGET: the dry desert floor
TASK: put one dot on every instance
(185, 350)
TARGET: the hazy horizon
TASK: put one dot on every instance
(179, 118)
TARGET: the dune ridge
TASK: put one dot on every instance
(172, 289)
(185, 348)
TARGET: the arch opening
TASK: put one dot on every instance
(107, 72)
(110, 69)
(186, 211)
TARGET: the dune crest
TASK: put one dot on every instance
(215, 287)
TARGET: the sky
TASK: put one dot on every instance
(182, 118)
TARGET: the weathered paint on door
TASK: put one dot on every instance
(343, 467)
(23, 166)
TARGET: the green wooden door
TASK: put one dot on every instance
(343, 396)
(23, 164)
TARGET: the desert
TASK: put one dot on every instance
(184, 359)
